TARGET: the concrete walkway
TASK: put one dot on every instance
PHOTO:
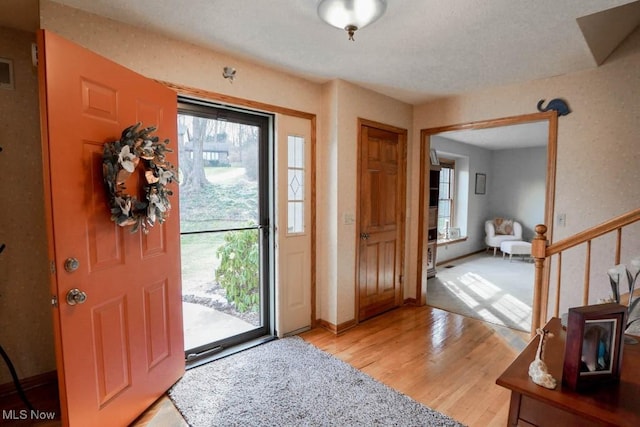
(203, 325)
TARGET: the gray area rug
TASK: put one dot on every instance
(487, 288)
(289, 382)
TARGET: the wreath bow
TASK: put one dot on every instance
(120, 160)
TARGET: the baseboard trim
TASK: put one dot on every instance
(41, 380)
(337, 329)
(411, 301)
(461, 257)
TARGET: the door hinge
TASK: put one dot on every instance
(400, 278)
(34, 54)
(52, 267)
(54, 301)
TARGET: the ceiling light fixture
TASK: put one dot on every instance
(351, 15)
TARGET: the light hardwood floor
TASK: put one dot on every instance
(443, 360)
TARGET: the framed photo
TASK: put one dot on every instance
(434, 157)
(593, 350)
(481, 183)
(454, 233)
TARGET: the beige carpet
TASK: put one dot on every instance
(485, 287)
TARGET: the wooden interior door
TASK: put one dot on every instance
(294, 228)
(381, 218)
(123, 347)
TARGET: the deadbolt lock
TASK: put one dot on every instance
(71, 264)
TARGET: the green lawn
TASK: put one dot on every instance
(229, 202)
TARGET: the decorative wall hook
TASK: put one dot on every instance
(229, 73)
(557, 104)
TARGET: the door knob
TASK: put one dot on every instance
(364, 236)
(76, 296)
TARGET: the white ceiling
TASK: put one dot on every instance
(524, 135)
(418, 50)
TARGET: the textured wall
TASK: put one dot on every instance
(26, 330)
(353, 102)
(162, 58)
(517, 186)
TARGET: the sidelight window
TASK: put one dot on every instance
(296, 183)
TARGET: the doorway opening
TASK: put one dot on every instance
(226, 208)
(515, 158)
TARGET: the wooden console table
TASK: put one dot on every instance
(615, 404)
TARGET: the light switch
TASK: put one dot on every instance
(349, 219)
(562, 220)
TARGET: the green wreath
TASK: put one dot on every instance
(120, 159)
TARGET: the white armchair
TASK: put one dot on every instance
(493, 239)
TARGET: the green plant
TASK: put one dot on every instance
(238, 273)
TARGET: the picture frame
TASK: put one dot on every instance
(594, 345)
(434, 157)
(454, 233)
(481, 183)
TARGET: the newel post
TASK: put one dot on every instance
(538, 252)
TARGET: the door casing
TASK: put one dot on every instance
(425, 145)
(194, 93)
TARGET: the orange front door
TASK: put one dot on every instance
(381, 229)
(123, 347)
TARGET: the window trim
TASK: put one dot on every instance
(448, 163)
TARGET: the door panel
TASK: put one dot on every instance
(111, 348)
(381, 220)
(293, 274)
(121, 349)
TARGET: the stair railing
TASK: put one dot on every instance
(542, 253)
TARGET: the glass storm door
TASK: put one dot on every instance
(225, 210)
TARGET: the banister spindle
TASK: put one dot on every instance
(587, 275)
(618, 246)
(556, 312)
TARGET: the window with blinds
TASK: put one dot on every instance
(446, 197)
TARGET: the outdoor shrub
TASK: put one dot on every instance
(239, 268)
